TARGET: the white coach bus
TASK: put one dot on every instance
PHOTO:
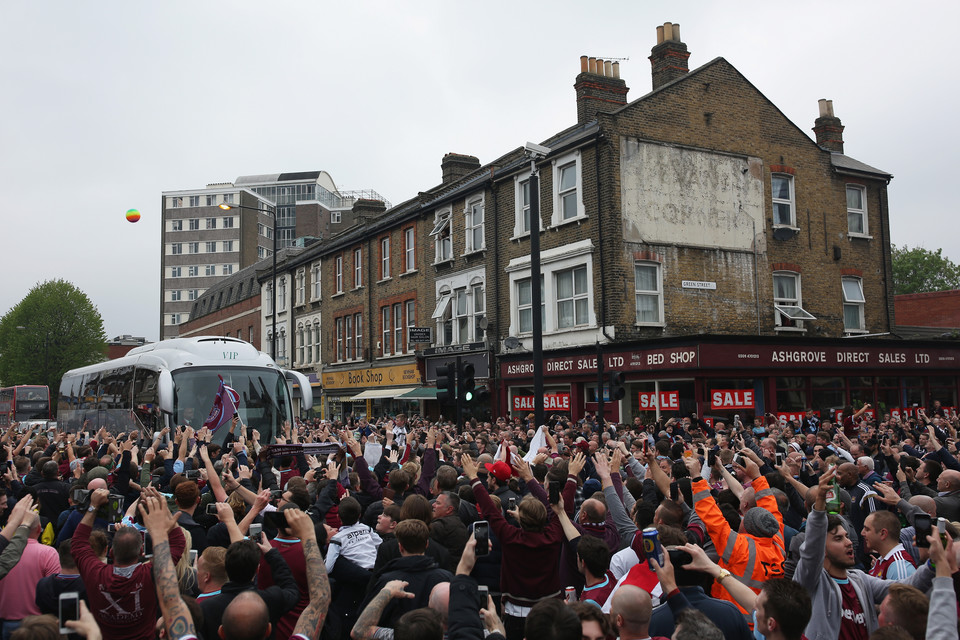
(174, 382)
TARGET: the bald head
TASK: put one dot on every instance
(748, 500)
(440, 600)
(847, 474)
(950, 480)
(245, 618)
(630, 610)
(97, 483)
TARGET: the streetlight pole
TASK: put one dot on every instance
(536, 152)
(273, 286)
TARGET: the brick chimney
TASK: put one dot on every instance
(828, 128)
(454, 166)
(599, 88)
(366, 209)
(669, 57)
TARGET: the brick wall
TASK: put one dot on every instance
(934, 309)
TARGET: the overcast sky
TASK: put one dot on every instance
(104, 105)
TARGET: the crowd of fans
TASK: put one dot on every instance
(408, 529)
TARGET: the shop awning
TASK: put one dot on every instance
(381, 393)
(420, 393)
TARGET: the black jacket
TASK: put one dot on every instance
(280, 597)
(421, 574)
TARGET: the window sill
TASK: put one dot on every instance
(859, 236)
(479, 251)
(393, 356)
(444, 261)
(854, 332)
(556, 332)
(387, 279)
(338, 294)
(655, 325)
(786, 226)
(789, 329)
(357, 288)
(408, 273)
(558, 224)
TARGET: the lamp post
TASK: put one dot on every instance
(536, 152)
(273, 287)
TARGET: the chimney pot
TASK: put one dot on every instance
(599, 88)
(584, 64)
(608, 68)
(828, 128)
(669, 56)
(616, 70)
(593, 65)
(599, 66)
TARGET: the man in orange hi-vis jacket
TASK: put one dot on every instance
(755, 553)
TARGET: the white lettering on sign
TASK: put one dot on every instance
(668, 400)
(698, 284)
(551, 402)
(731, 399)
(853, 357)
(517, 369)
(800, 356)
(893, 358)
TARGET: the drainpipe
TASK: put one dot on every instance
(756, 274)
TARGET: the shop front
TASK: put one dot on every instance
(372, 391)
(719, 378)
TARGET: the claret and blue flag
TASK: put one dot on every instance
(224, 407)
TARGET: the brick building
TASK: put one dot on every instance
(694, 239)
(231, 307)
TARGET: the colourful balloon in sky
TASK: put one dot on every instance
(133, 215)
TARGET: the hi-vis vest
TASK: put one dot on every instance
(750, 559)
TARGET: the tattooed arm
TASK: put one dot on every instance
(311, 620)
(159, 522)
(366, 625)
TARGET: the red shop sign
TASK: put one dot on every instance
(721, 399)
(668, 400)
(552, 402)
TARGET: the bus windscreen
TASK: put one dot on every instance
(263, 393)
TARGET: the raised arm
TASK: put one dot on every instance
(159, 521)
(318, 585)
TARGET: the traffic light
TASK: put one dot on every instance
(616, 381)
(481, 395)
(445, 382)
(467, 383)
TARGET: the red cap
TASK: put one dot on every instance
(498, 470)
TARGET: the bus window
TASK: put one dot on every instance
(145, 399)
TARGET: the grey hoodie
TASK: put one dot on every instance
(824, 591)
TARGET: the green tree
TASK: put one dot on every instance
(54, 328)
(920, 270)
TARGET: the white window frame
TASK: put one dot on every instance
(211, 200)
(193, 271)
(176, 225)
(175, 295)
(211, 223)
(227, 269)
(211, 247)
(193, 247)
(193, 224)
(268, 298)
(299, 348)
(176, 202)
(301, 286)
(176, 248)
(385, 258)
(443, 236)
(194, 201)
(358, 338)
(850, 301)
(861, 212)
(574, 299)
(357, 267)
(398, 328)
(228, 246)
(473, 210)
(175, 272)
(579, 213)
(791, 201)
(228, 222)
(527, 307)
(521, 210)
(193, 294)
(386, 314)
(210, 270)
(282, 295)
(315, 280)
(348, 353)
(338, 273)
(409, 250)
(316, 340)
(552, 261)
(788, 312)
(334, 217)
(648, 293)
